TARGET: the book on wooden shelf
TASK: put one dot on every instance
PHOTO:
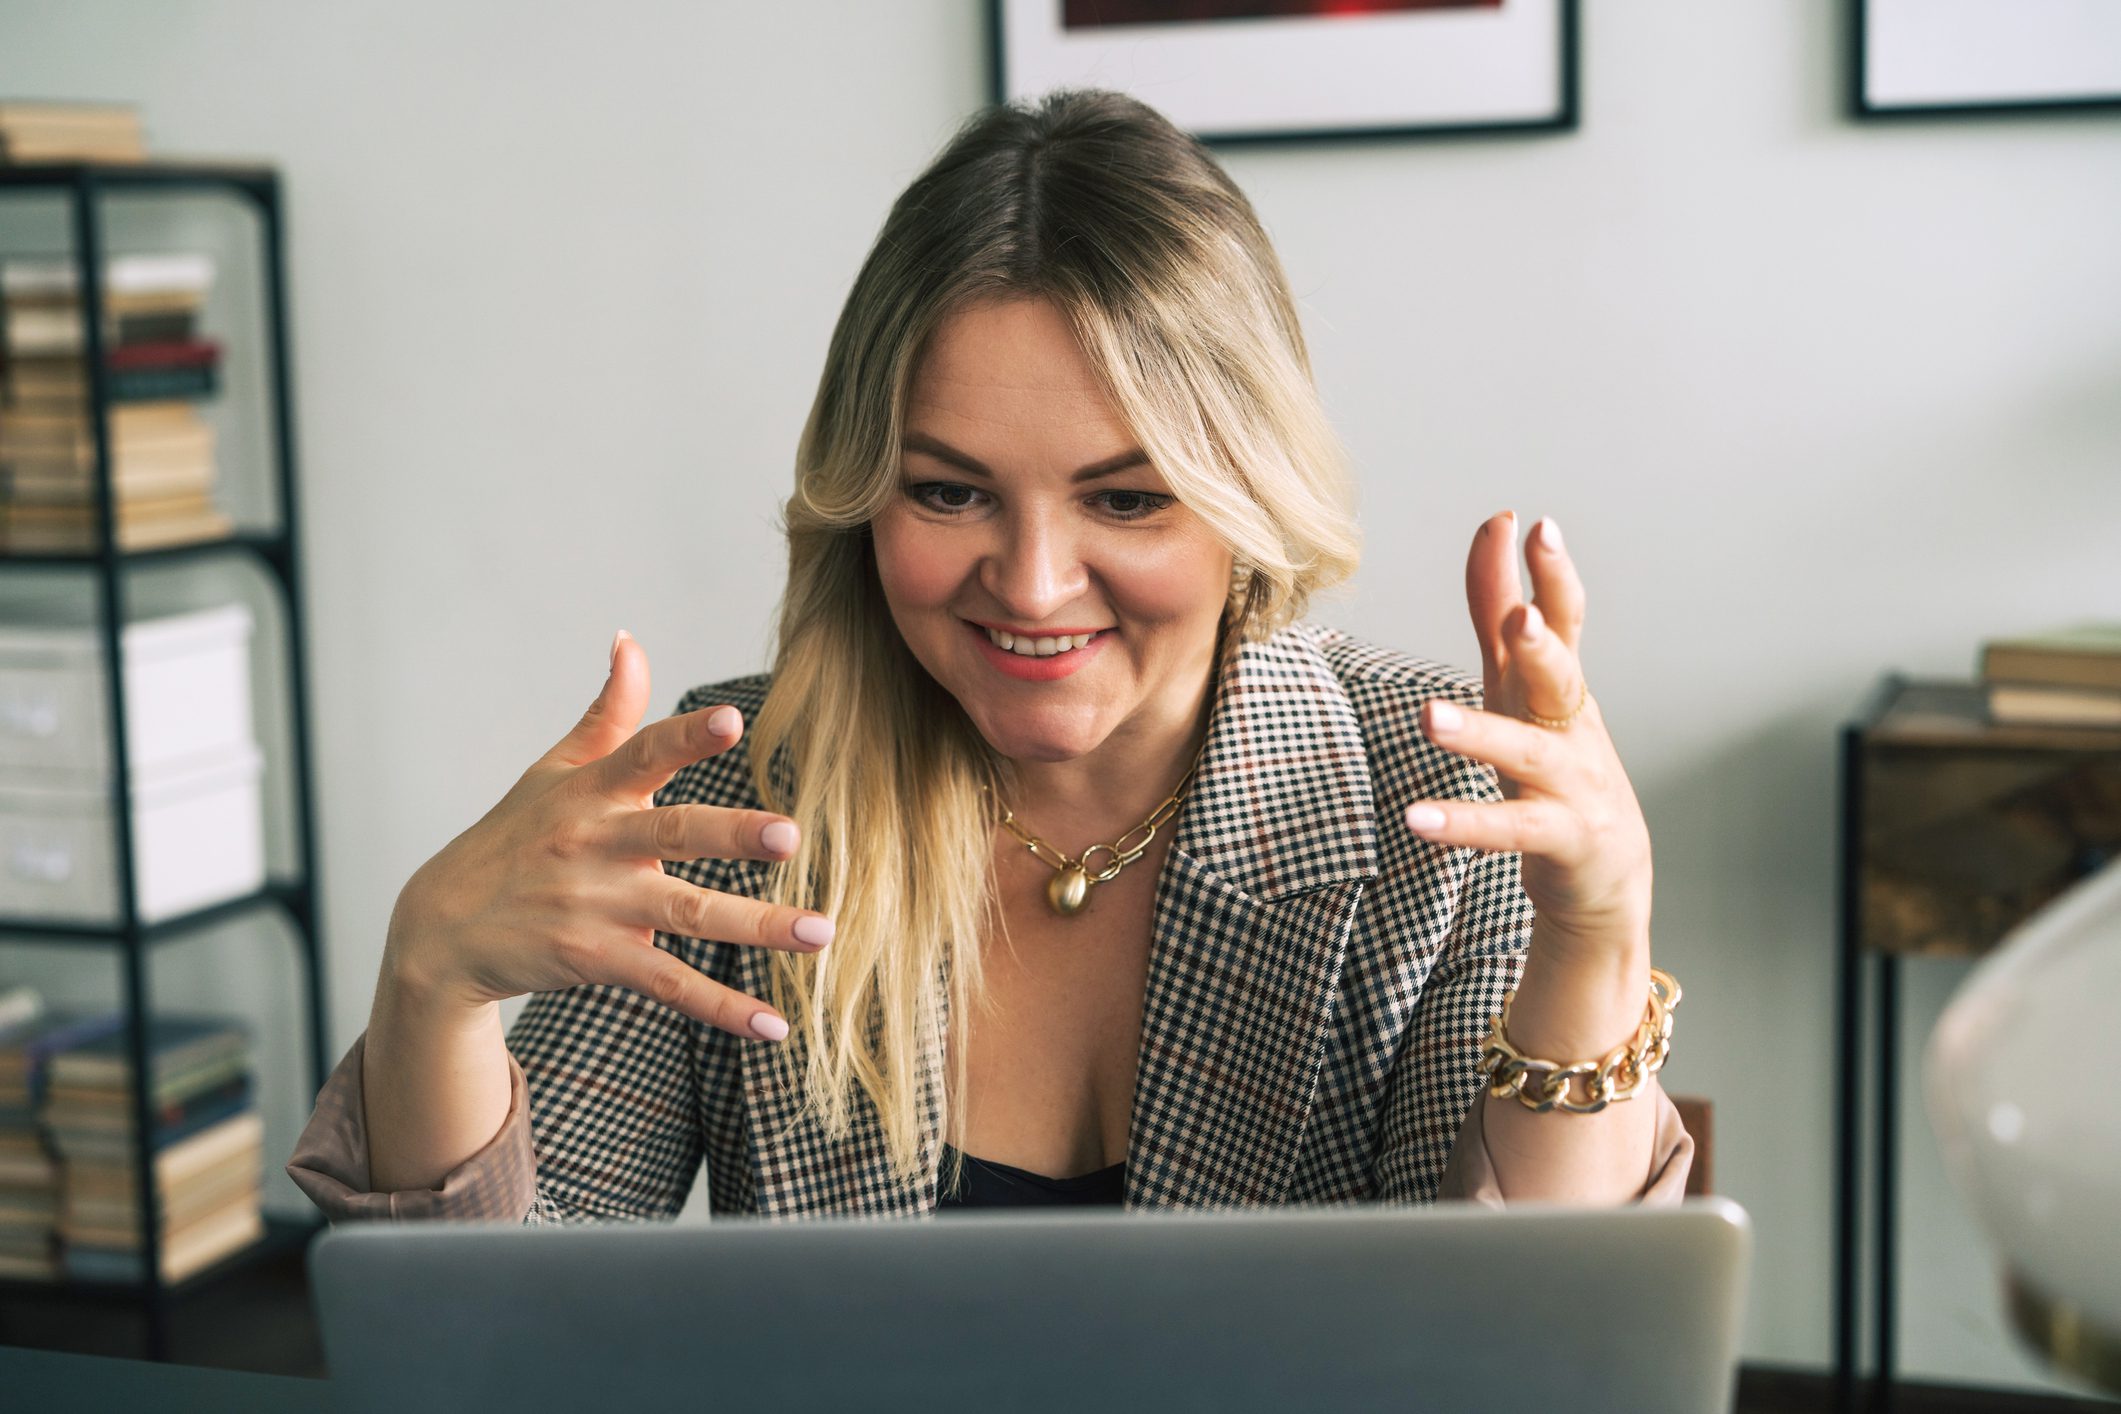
(60, 385)
(2077, 655)
(192, 1248)
(153, 523)
(32, 131)
(175, 1042)
(163, 447)
(30, 1175)
(161, 274)
(2034, 703)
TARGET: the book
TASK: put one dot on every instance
(205, 1242)
(33, 384)
(107, 1187)
(122, 274)
(70, 132)
(171, 1086)
(2061, 706)
(180, 1161)
(2078, 655)
(115, 1115)
(54, 329)
(26, 1053)
(174, 1040)
(161, 532)
(36, 444)
(107, 1224)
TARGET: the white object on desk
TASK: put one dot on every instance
(2020, 1077)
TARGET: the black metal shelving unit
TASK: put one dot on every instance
(84, 186)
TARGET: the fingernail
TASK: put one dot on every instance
(1549, 533)
(1444, 717)
(1424, 819)
(813, 930)
(1535, 623)
(615, 646)
(768, 1027)
(723, 721)
(779, 837)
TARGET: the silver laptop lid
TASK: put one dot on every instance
(1450, 1307)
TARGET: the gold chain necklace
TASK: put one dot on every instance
(1069, 888)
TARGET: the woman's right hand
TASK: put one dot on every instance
(562, 882)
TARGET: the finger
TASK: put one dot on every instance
(1549, 681)
(655, 974)
(1492, 590)
(652, 755)
(617, 711)
(681, 832)
(1541, 827)
(1527, 754)
(673, 906)
(1556, 587)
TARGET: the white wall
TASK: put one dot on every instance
(1811, 400)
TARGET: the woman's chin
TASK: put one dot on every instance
(1026, 741)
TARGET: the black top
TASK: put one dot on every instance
(992, 1185)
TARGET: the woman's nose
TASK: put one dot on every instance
(1034, 572)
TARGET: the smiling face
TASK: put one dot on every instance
(1026, 518)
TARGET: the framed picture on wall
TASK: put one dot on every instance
(1233, 71)
(1916, 57)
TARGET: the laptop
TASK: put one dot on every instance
(1453, 1307)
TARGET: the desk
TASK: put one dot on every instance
(57, 1382)
(1953, 831)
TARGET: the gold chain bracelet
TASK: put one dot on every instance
(1620, 1076)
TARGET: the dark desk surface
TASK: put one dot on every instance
(56, 1382)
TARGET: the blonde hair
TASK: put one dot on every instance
(1096, 202)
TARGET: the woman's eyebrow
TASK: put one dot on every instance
(943, 451)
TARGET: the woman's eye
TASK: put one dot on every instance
(1133, 505)
(943, 496)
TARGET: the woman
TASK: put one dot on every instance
(1064, 494)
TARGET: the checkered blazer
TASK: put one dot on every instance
(1319, 981)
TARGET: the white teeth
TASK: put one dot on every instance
(1037, 647)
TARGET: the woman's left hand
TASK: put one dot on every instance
(1568, 807)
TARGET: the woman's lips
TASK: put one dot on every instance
(1029, 669)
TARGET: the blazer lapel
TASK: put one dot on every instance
(1275, 844)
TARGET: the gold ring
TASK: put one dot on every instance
(1561, 723)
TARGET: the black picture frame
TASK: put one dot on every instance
(1863, 105)
(1564, 119)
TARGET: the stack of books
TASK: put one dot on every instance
(208, 1147)
(157, 366)
(70, 132)
(2067, 677)
(29, 1172)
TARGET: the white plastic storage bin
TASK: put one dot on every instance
(187, 694)
(198, 838)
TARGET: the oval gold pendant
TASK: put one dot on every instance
(1068, 891)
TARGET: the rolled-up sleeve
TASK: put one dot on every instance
(1470, 1174)
(330, 1161)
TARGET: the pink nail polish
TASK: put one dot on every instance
(1549, 534)
(811, 930)
(1424, 819)
(1444, 717)
(768, 1027)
